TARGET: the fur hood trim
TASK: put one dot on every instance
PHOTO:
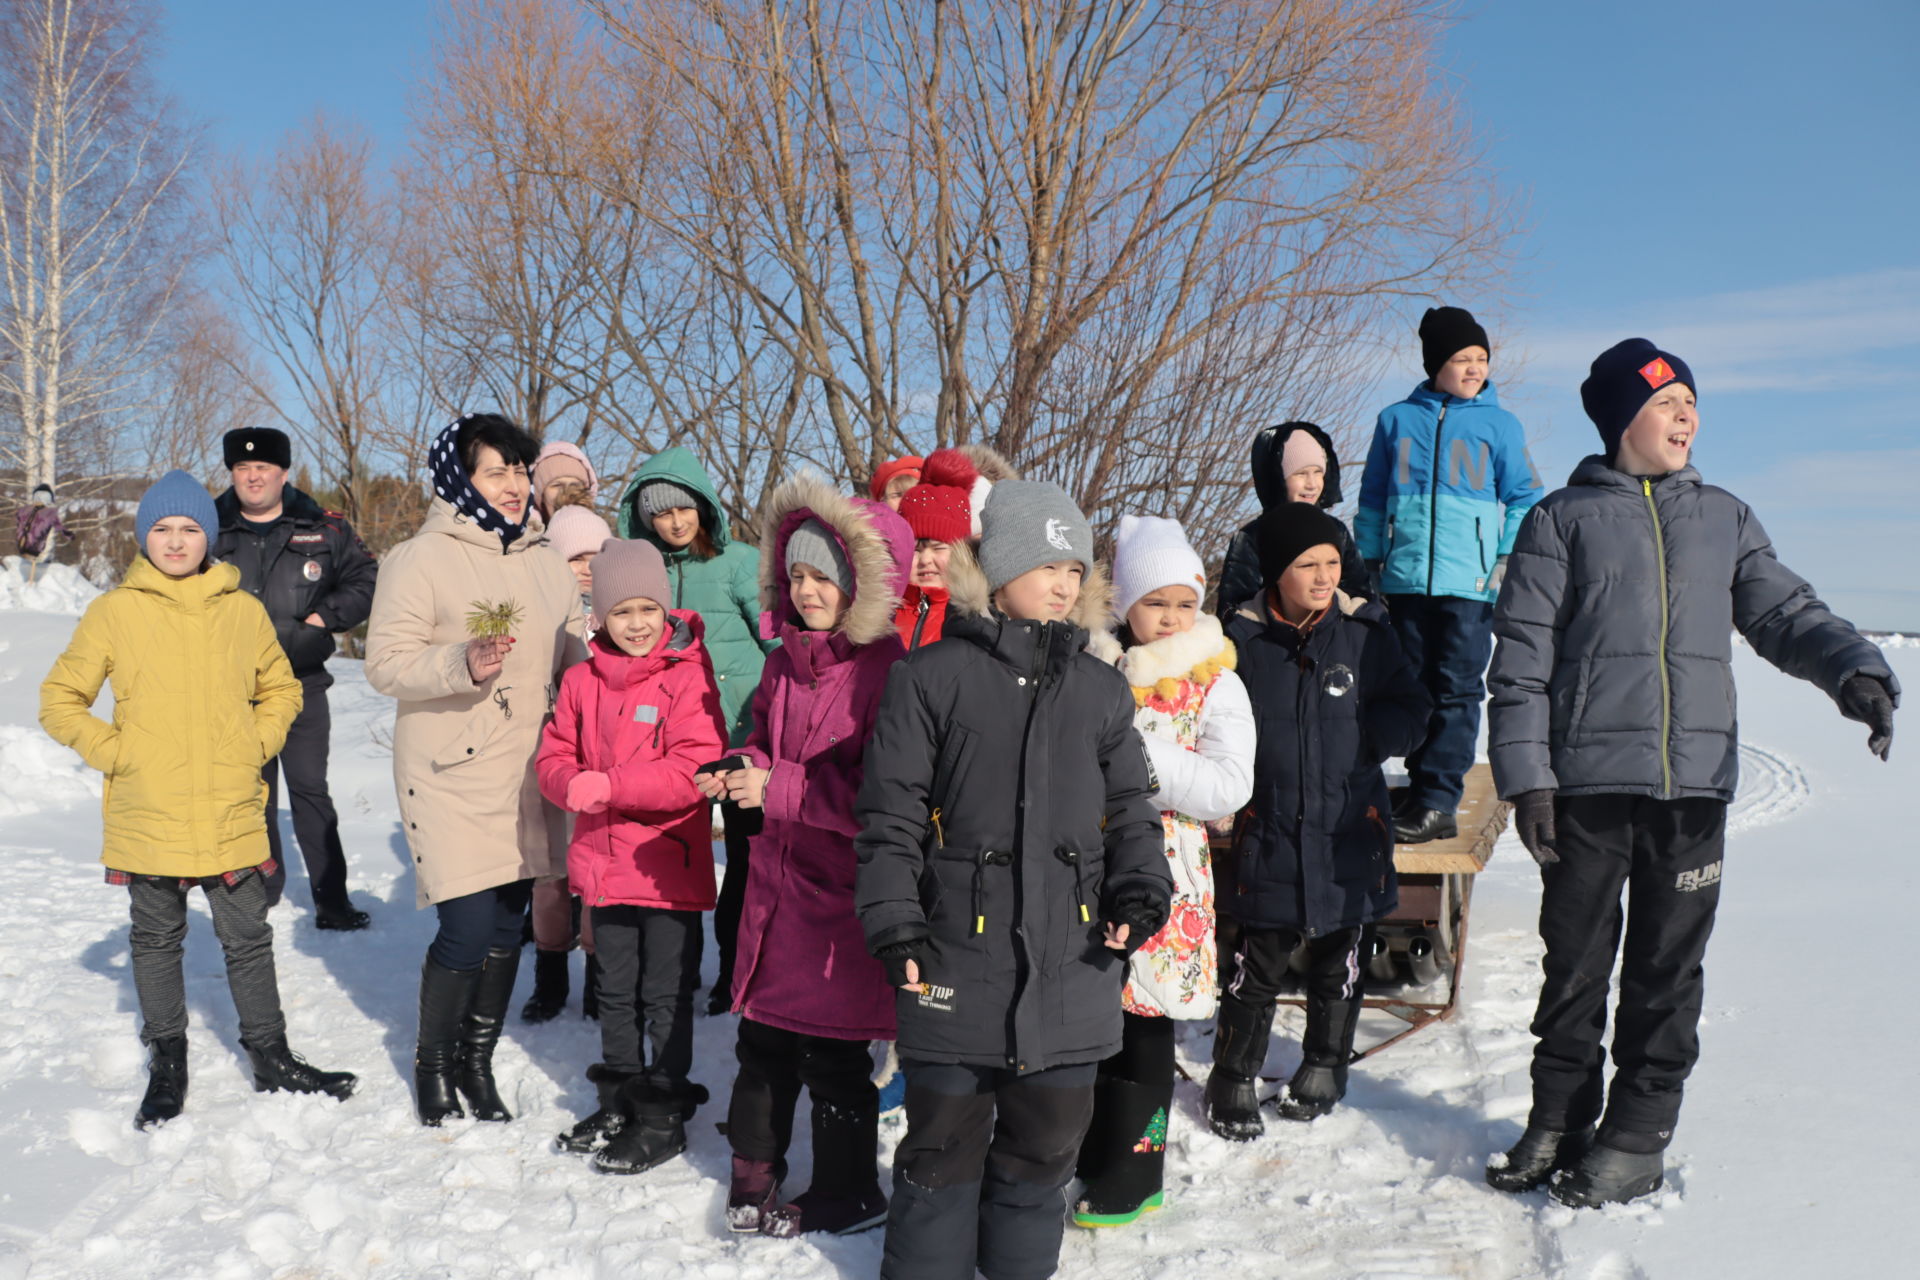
(990, 463)
(1349, 605)
(878, 544)
(967, 592)
(1198, 654)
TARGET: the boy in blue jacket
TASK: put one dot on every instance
(1448, 481)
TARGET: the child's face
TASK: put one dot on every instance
(677, 527)
(816, 598)
(1306, 586)
(898, 486)
(582, 566)
(1306, 484)
(636, 625)
(504, 485)
(930, 557)
(177, 546)
(1045, 594)
(1464, 374)
(562, 491)
(1162, 613)
(1660, 437)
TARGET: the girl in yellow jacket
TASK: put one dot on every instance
(202, 697)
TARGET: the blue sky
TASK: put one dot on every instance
(1736, 181)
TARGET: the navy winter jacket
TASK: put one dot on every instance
(1614, 667)
(1315, 850)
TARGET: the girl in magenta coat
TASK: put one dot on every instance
(810, 997)
(632, 725)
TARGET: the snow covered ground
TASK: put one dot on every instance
(1796, 1155)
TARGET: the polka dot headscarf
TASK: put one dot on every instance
(452, 484)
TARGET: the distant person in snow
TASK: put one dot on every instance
(202, 696)
(1612, 731)
(1448, 481)
(34, 527)
(1293, 462)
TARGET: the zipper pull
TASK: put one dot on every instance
(939, 832)
(1646, 485)
(1072, 858)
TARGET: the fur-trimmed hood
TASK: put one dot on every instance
(989, 462)
(1199, 653)
(877, 542)
(967, 593)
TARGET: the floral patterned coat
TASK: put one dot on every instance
(1194, 715)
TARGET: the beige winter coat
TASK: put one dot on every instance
(463, 754)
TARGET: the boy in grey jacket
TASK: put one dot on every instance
(1612, 731)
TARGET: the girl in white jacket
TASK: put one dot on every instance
(1197, 724)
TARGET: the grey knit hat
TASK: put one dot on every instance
(1028, 523)
(813, 544)
(657, 496)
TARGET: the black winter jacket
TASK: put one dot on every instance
(1315, 848)
(1240, 576)
(1614, 667)
(1023, 745)
(274, 569)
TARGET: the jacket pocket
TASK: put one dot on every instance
(967, 908)
(1582, 686)
(1480, 544)
(1080, 909)
(470, 743)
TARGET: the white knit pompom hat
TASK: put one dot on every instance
(1151, 552)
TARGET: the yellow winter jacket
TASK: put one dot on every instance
(202, 697)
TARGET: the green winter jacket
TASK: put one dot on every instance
(724, 591)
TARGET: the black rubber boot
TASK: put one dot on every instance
(1123, 1159)
(1239, 1051)
(657, 1131)
(445, 995)
(845, 1196)
(1417, 824)
(550, 987)
(598, 1129)
(1538, 1155)
(1325, 1051)
(277, 1068)
(1608, 1175)
(481, 1032)
(166, 1082)
(590, 990)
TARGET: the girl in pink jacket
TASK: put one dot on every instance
(809, 996)
(632, 725)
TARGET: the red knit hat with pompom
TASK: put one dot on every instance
(940, 507)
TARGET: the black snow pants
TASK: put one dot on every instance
(1667, 855)
(979, 1179)
(316, 825)
(774, 1065)
(649, 958)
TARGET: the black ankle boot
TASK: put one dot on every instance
(1418, 824)
(1239, 1051)
(657, 1131)
(1609, 1175)
(444, 997)
(1325, 1051)
(597, 1130)
(1538, 1155)
(481, 1032)
(166, 1082)
(550, 987)
(276, 1068)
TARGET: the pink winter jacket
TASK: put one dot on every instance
(647, 723)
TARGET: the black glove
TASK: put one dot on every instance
(1533, 820)
(1143, 909)
(1867, 699)
(897, 946)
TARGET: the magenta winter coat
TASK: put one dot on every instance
(802, 963)
(647, 723)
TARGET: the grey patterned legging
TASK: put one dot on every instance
(240, 922)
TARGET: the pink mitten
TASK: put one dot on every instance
(589, 792)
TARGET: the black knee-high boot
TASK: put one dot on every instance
(445, 995)
(481, 1032)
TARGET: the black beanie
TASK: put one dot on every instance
(1288, 530)
(1446, 331)
(1623, 378)
(257, 444)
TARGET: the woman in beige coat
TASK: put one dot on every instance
(464, 741)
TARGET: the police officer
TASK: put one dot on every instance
(315, 577)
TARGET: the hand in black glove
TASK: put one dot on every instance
(1533, 820)
(1867, 699)
(901, 956)
(1134, 916)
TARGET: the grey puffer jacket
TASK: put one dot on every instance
(1614, 667)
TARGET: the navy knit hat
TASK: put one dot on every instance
(1623, 378)
(1286, 532)
(175, 494)
(1447, 331)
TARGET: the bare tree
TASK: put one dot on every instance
(92, 247)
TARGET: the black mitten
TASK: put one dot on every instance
(896, 947)
(1867, 699)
